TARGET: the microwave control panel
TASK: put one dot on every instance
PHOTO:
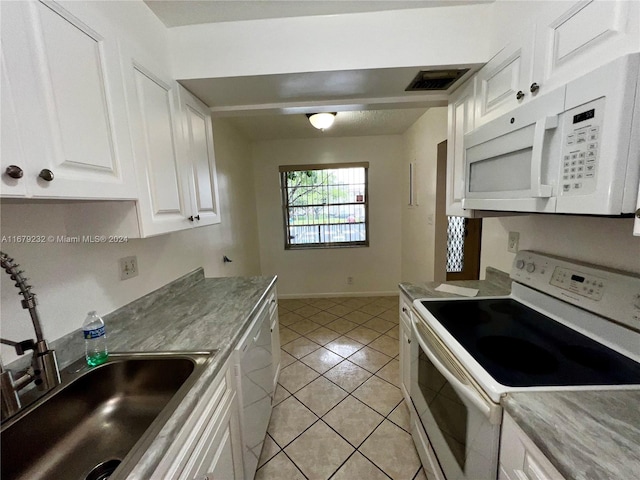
(582, 132)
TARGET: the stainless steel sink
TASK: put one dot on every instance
(97, 419)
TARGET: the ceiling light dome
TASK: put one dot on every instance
(322, 120)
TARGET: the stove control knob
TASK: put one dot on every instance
(520, 264)
(531, 267)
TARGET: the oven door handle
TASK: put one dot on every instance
(489, 409)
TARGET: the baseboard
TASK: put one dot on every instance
(283, 296)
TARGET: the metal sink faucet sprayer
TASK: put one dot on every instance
(44, 366)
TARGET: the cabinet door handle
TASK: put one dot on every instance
(197, 217)
(520, 95)
(408, 340)
(14, 171)
(534, 87)
(46, 174)
(404, 309)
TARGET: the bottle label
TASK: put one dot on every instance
(98, 332)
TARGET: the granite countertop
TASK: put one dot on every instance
(586, 435)
(192, 313)
(497, 283)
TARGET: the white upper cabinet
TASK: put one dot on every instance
(152, 98)
(505, 81)
(197, 137)
(461, 120)
(11, 153)
(64, 76)
(576, 37)
(567, 40)
(173, 147)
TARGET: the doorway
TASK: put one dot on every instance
(458, 239)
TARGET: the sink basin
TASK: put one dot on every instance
(98, 419)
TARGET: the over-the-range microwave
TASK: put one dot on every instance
(573, 150)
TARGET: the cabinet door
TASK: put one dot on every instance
(71, 105)
(461, 115)
(11, 153)
(636, 222)
(500, 80)
(520, 458)
(405, 346)
(275, 340)
(164, 194)
(198, 141)
(219, 452)
(576, 37)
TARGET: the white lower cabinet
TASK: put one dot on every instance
(520, 458)
(428, 458)
(217, 455)
(275, 338)
(405, 346)
(210, 443)
(636, 223)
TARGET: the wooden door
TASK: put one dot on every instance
(471, 251)
(471, 238)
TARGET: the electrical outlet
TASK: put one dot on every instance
(514, 240)
(349, 280)
(128, 267)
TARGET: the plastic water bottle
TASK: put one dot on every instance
(95, 340)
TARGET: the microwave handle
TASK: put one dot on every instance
(538, 189)
(489, 410)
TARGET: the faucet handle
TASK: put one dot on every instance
(21, 347)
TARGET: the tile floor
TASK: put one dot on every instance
(338, 412)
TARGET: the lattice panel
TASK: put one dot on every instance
(455, 244)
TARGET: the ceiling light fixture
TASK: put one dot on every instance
(321, 120)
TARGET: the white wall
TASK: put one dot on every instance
(427, 36)
(418, 222)
(598, 240)
(324, 271)
(71, 279)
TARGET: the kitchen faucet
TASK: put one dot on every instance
(43, 371)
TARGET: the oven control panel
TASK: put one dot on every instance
(610, 293)
(578, 282)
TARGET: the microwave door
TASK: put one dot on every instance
(507, 163)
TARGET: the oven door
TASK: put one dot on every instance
(460, 421)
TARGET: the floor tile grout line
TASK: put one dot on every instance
(294, 464)
(348, 394)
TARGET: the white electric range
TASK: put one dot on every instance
(565, 326)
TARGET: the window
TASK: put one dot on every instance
(325, 205)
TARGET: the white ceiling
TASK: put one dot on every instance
(369, 102)
(175, 13)
(336, 90)
(347, 124)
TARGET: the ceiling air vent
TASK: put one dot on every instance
(435, 80)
